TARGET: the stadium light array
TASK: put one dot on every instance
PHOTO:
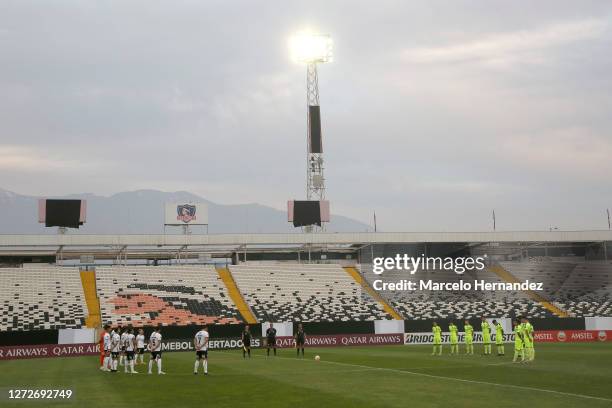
(307, 47)
(312, 49)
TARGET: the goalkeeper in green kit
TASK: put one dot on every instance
(437, 339)
(469, 337)
(499, 338)
(519, 350)
(454, 338)
(486, 336)
(528, 339)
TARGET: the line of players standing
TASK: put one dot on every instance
(123, 347)
(523, 339)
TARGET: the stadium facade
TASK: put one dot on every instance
(325, 280)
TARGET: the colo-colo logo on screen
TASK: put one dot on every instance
(186, 213)
(411, 264)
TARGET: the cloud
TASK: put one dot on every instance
(202, 96)
(32, 160)
(500, 47)
(26, 159)
(581, 151)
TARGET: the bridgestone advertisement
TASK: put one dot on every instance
(546, 336)
(428, 338)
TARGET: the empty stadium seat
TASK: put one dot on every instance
(426, 305)
(295, 292)
(163, 295)
(582, 289)
(41, 297)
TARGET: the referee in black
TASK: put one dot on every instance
(246, 341)
(300, 339)
(271, 339)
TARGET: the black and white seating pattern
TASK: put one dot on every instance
(167, 295)
(51, 297)
(583, 289)
(425, 309)
(551, 274)
(588, 307)
(425, 305)
(587, 291)
(293, 292)
(41, 297)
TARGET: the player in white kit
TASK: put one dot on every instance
(130, 345)
(124, 334)
(106, 347)
(115, 350)
(155, 346)
(140, 346)
(200, 342)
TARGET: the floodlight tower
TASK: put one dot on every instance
(312, 49)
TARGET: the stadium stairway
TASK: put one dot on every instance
(354, 273)
(232, 289)
(88, 280)
(547, 304)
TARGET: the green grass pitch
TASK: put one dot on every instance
(563, 375)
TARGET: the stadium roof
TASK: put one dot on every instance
(268, 246)
(301, 239)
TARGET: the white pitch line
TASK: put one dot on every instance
(440, 377)
(459, 364)
(520, 387)
(214, 374)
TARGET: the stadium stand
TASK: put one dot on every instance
(354, 273)
(295, 292)
(52, 297)
(538, 296)
(167, 295)
(45, 297)
(582, 289)
(234, 293)
(588, 307)
(425, 305)
(88, 281)
(587, 291)
(551, 274)
(422, 307)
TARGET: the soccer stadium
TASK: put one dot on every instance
(473, 137)
(324, 282)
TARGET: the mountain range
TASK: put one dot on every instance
(142, 212)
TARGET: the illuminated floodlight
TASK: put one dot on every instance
(311, 48)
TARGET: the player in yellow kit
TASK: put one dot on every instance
(454, 338)
(528, 339)
(469, 337)
(486, 336)
(499, 338)
(437, 339)
(519, 350)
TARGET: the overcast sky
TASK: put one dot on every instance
(434, 112)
